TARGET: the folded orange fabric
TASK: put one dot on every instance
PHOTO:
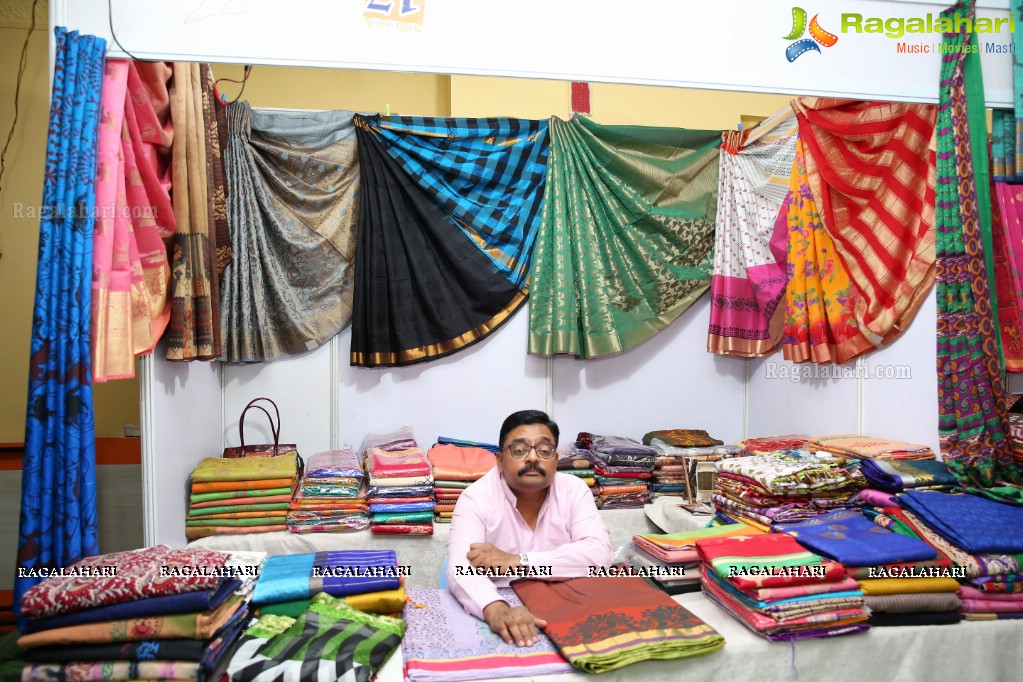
(241, 501)
(196, 532)
(229, 486)
(454, 463)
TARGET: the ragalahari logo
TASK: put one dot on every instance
(818, 36)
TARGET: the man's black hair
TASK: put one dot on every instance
(523, 417)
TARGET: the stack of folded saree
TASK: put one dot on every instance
(579, 462)
(602, 624)
(778, 589)
(884, 562)
(894, 476)
(332, 497)
(994, 572)
(658, 552)
(867, 447)
(370, 579)
(783, 487)
(623, 469)
(453, 463)
(768, 444)
(443, 643)
(244, 495)
(978, 604)
(330, 640)
(155, 613)
(400, 484)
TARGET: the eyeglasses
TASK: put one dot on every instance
(521, 450)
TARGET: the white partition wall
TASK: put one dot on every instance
(181, 424)
(806, 398)
(670, 381)
(465, 395)
(892, 392)
(900, 383)
(300, 387)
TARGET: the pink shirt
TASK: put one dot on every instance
(570, 536)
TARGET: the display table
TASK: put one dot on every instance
(423, 553)
(965, 651)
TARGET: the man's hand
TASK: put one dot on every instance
(513, 625)
(485, 555)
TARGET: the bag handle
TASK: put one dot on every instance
(275, 428)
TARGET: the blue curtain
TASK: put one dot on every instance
(58, 489)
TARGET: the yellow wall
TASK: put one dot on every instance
(363, 91)
(21, 192)
(282, 87)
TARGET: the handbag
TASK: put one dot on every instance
(262, 449)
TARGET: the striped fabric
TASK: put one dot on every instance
(329, 641)
(341, 572)
(486, 173)
(872, 173)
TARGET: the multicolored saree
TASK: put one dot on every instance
(449, 213)
(820, 325)
(749, 255)
(871, 169)
(627, 237)
(133, 215)
(972, 407)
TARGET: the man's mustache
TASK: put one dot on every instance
(532, 467)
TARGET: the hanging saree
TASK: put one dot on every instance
(133, 215)
(627, 236)
(871, 170)
(820, 325)
(972, 422)
(195, 310)
(749, 254)
(450, 209)
(293, 206)
(58, 491)
(1007, 239)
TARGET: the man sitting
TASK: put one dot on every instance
(522, 517)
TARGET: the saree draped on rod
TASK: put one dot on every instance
(58, 492)
(195, 320)
(133, 216)
(972, 405)
(293, 206)
(450, 211)
(820, 325)
(750, 244)
(627, 236)
(871, 168)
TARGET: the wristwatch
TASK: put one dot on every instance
(523, 559)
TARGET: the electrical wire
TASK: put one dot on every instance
(245, 79)
(17, 93)
(110, 20)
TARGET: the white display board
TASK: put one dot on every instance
(724, 45)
